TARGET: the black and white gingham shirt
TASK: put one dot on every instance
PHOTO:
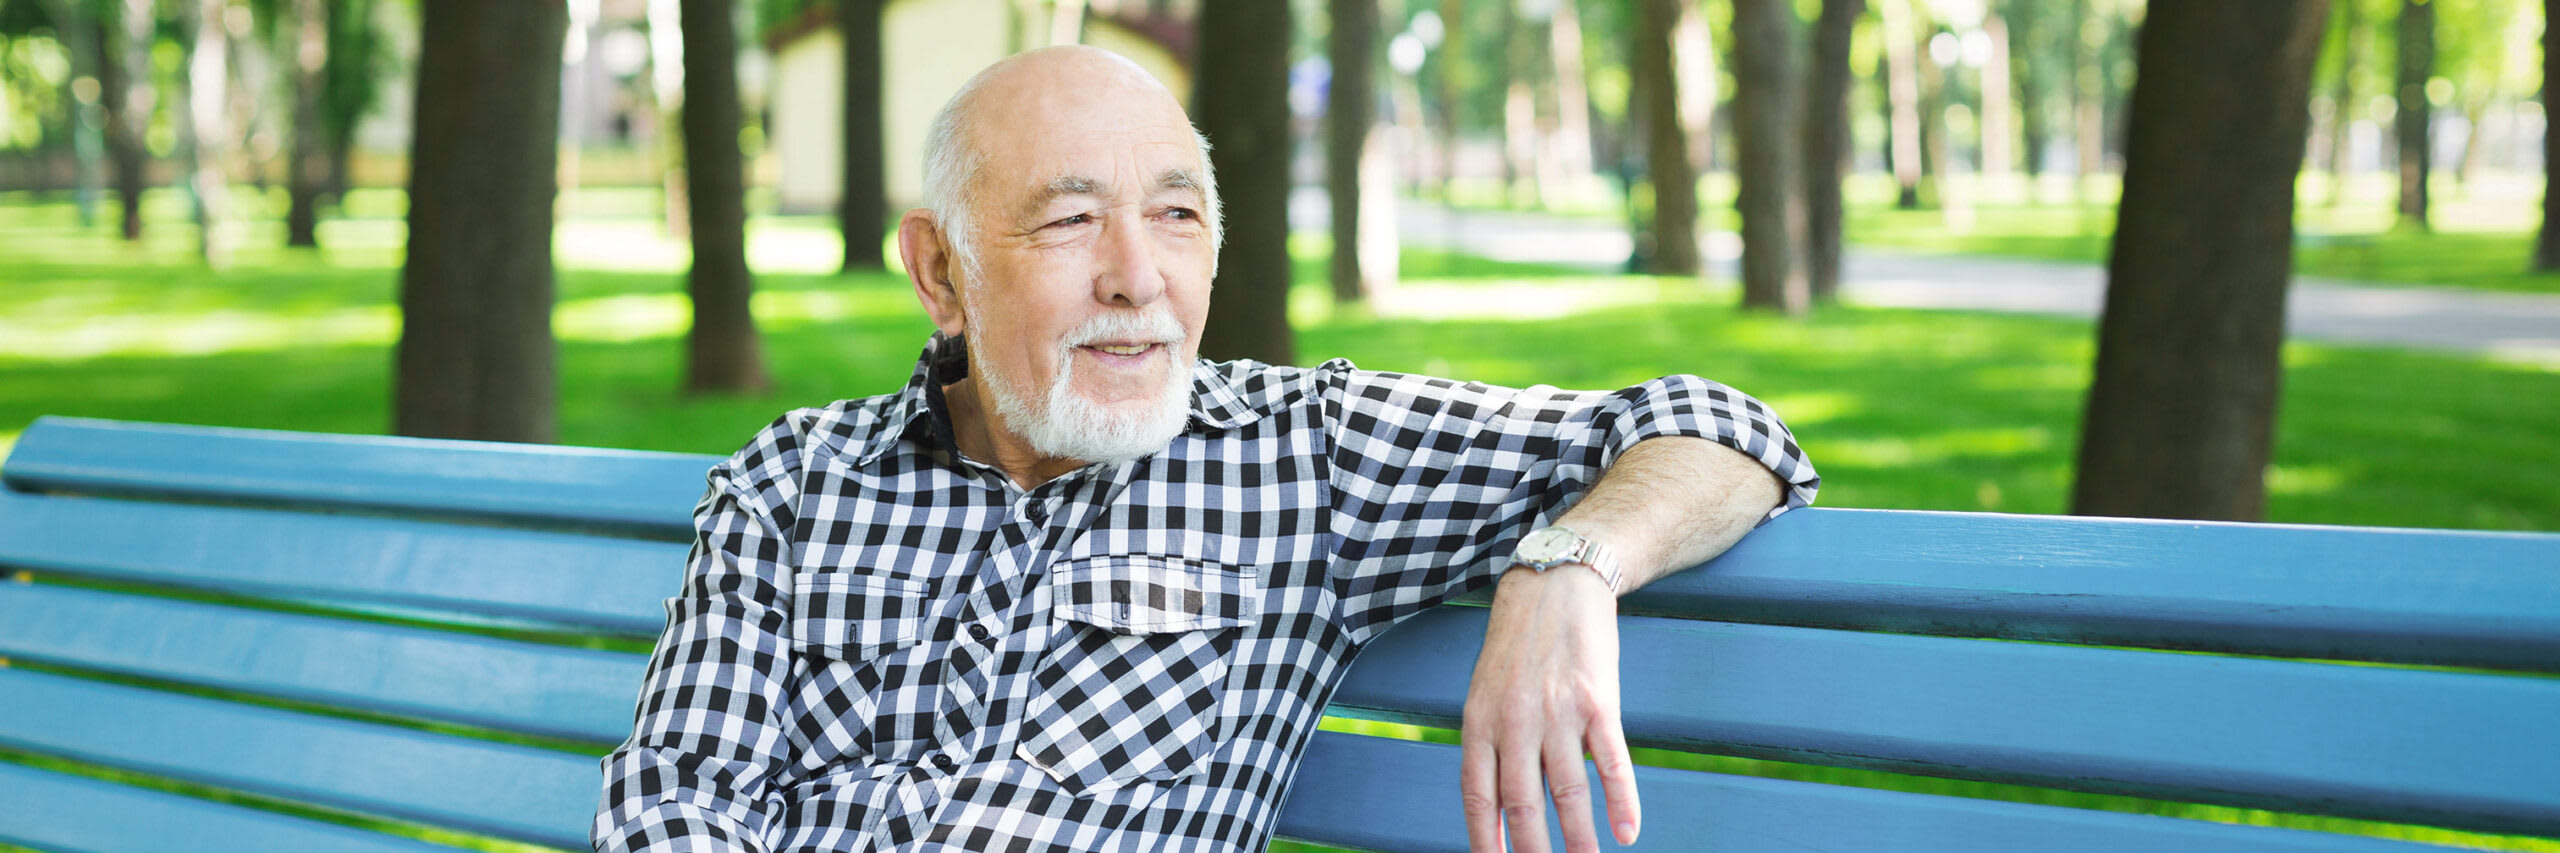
(882, 645)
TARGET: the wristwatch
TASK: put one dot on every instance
(1551, 546)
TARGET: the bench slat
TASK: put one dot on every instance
(576, 486)
(496, 789)
(2439, 748)
(90, 816)
(528, 688)
(1350, 783)
(565, 578)
(2448, 598)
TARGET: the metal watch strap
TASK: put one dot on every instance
(1600, 559)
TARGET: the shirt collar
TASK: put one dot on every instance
(1216, 402)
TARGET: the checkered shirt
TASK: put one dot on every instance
(880, 644)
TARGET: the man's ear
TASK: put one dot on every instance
(929, 267)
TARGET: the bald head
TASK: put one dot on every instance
(1022, 108)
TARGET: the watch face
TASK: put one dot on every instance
(1545, 545)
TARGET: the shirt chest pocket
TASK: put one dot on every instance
(841, 626)
(1131, 687)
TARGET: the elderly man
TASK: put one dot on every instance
(1074, 589)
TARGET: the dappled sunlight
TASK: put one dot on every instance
(622, 318)
(1934, 448)
(2302, 480)
(1805, 408)
(201, 332)
(1531, 299)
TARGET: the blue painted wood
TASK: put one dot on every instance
(574, 486)
(1382, 794)
(69, 814)
(498, 789)
(526, 688)
(2443, 748)
(572, 579)
(2452, 598)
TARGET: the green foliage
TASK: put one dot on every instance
(1904, 409)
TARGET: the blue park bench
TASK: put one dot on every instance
(230, 640)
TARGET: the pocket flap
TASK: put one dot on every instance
(1148, 594)
(853, 617)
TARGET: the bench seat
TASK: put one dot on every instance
(403, 633)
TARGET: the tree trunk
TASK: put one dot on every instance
(1766, 169)
(1826, 144)
(862, 210)
(352, 85)
(1452, 50)
(475, 358)
(124, 87)
(2181, 413)
(1350, 108)
(1902, 92)
(2088, 100)
(2342, 95)
(2546, 247)
(721, 352)
(1519, 117)
(2035, 85)
(1674, 178)
(666, 82)
(79, 34)
(1241, 103)
(309, 65)
(2414, 118)
(1572, 138)
(1999, 134)
(203, 134)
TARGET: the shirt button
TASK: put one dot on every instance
(979, 632)
(944, 762)
(1038, 513)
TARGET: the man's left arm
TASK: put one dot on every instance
(1546, 686)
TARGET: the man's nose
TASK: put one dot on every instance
(1130, 274)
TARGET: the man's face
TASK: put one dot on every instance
(1094, 263)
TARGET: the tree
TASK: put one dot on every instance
(203, 134)
(2181, 414)
(2546, 245)
(2342, 93)
(862, 210)
(124, 90)
(309, 60)
(1766, 175)
(1674, 178)
(1902, 93)
(476, 358)
(351, 84)
(1350, 111)
(721, 352)
(2413, 115)
(1826, 144)
(1241, 103)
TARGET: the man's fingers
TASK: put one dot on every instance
(1524, 799)
(1617, 779)
(1478, 796)
(1571, 787)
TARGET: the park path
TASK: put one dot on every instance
(2520, 326)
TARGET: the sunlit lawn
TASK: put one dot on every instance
(1903, 409)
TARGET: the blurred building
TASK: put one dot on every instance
(929, 48)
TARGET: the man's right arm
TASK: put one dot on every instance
(697, 772)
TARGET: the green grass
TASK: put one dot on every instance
(1899, 409)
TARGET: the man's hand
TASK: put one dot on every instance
(1545, 690)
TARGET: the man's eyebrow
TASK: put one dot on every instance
(1061, 187)
(1178, 179)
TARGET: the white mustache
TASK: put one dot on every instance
(1144, 327)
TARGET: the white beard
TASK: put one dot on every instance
(1073, 426)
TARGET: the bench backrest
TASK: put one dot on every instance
(213, 625)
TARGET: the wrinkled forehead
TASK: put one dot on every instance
(1124, 138)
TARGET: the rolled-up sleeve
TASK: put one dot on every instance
(698, 770)
(1434, 481)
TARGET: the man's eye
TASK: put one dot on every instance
(1182, 213)
(1078, 219)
